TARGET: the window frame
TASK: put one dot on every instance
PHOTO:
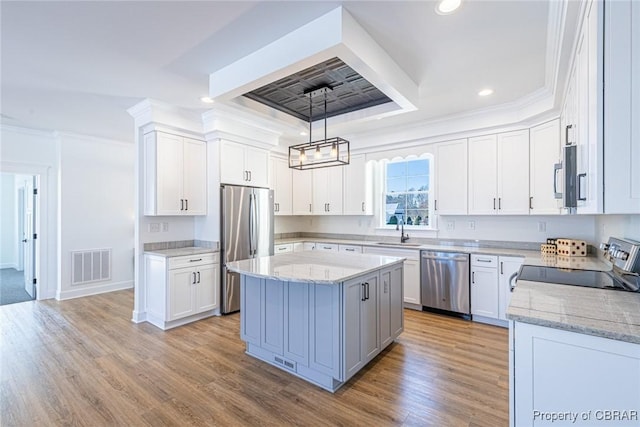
(383, 194)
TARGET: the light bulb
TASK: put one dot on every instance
(334, 150)
(318, 154)
(303, 156)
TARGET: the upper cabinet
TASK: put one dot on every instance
(175, 175)
(282, 188)
(544, 154)
(451, 178)
(499, 174)
(302, 192)
(357, 189)
(243, 165)
(622, 107)
(327, 191)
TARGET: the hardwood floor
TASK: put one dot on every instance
(82, 362)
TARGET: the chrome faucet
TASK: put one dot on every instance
(403, 237)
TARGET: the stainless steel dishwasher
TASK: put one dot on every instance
(444, 281)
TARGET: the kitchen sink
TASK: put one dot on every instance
(399, 244)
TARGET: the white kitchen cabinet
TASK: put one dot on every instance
(507, 267)
(484, 287)
(282, 186)
(390, 302)
(326, 247)
(181, 289)
(557, 371)
(298, 247)
(544, 153)
(357, 187)
(308, 246)
(411, 275)
(243, 165)
(505, 191)
(282, 248)
(362, 339)
(327, 191)
(451, 178)
(175, 175)
(302, 192)
(589, 110)
(350, 249)
(622, 107)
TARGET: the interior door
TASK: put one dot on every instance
(28, 243)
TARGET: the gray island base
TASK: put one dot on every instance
(321, 317)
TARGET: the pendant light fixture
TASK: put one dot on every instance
(323, 153)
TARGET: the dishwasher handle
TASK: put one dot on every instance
(442, 258)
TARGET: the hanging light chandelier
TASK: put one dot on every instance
(323, 153)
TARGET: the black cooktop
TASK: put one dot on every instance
(568, 276)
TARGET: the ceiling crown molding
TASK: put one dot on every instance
(555, 37)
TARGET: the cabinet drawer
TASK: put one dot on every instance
(192, 260)
(329, 247)
(283, 248)
(484, 261)
(351, 249)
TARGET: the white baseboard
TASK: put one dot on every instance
(139, 316)
(10, 265)
(93, 290)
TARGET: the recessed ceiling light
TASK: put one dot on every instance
(206, 100)
(485, 92)
(445, 7)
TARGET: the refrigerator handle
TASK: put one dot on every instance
(251, 224)
(254, 217)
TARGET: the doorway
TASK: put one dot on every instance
(18, 236)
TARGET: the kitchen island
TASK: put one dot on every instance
(321, 317)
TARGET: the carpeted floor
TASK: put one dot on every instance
(12, 287)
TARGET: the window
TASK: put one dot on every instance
(407, 184)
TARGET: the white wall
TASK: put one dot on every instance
(27, 151)
(8, 222)
(618, 226)
(97, 209)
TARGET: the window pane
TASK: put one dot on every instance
(418, 167)
(394, 210)
(395, 170)
(397, 185)
(418, 183)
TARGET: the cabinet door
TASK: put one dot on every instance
(385, 308)
(507, 267)
(296, 314)
(451, 178)
(482, 177)
(232, 166)
(544, 153)
(207, 287)
(320, 193)
(308, 246)
(325, 335)
(257, 165)
(195, 177)
(282, 186)
(354, 357)
(334, 190)
(181, 293)
(302, 192)
(272, 333)
(370, 334)
(484, 292)
(622, 107)
(250, 309)
(513, 173)
(397, 313)
(169, 174)
(412, 282)
(357, 188)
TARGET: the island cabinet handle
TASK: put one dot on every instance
(367, 288)
(364, 292)
(194, 278)
(501, 267)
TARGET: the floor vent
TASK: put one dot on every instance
(90, 266)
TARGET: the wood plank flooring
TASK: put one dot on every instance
(82, 362)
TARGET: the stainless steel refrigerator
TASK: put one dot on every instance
(247, 232)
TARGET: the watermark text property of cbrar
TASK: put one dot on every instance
(592, 415)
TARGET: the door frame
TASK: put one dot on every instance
(45, 287)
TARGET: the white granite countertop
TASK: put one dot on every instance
(314, 267)
(193, 250)
(600, 312)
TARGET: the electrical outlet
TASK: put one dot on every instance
(165, 227)
(154, 227)
(542, 226)
(451, 225)
(472, 225)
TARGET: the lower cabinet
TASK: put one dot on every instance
(282, 248)
(322, 332)
(181, 289)
(411, 291)
(491, 287)
(559, 372)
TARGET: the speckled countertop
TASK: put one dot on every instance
(599, 312)
(193, 250)
(313, 267)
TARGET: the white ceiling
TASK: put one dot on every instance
(77, 66)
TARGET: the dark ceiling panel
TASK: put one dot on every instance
(351, 91)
